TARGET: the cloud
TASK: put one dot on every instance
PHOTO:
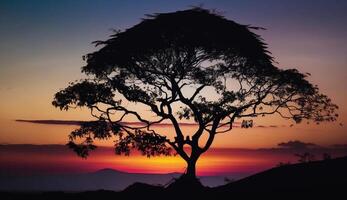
(296, 144)
(269, 126)
(52, 122)
(78, 123)
(261, 126)
(6, 88)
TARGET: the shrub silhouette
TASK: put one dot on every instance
(191, 65)
(326, 156)
(281, 164)
(305, 157)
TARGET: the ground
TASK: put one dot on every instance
(316, 179)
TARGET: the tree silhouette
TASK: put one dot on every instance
(305, 157)
(186, 65)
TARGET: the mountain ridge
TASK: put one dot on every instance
(103, 179)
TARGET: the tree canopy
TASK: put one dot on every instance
(186, 65)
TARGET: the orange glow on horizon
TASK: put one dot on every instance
(59, 159)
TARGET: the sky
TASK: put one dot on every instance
(42, 44)
(235, 163)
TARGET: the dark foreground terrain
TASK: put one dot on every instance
(319, 179)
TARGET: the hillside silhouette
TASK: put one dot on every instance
(313, 179)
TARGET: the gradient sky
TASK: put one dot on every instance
(57, 159)
(42, 43)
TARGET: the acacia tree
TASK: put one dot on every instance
(186, 65)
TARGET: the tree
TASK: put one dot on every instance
(191, 65)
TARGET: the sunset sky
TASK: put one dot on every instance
(42, 44)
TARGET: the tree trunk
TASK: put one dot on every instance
(188, 181)
(191, 163)
(191, 169)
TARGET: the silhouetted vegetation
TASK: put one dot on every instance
(305, 157)
(186, 65)
(228, 180)
(281, 164)
(326, 156)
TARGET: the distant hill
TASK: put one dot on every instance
(105, 179)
